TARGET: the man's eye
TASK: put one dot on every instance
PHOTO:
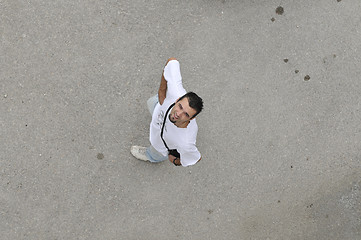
(180, 106)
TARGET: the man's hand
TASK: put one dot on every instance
(174, 160)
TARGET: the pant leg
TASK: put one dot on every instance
(152, 102)
(155, 156)
(152, 154)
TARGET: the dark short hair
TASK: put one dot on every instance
(194, 101)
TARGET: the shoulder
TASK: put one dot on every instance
(190, 135)
(193, 126)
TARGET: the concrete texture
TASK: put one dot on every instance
(281, 152)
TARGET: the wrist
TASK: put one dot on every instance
(175, 162)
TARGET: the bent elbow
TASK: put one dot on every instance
(170, 59)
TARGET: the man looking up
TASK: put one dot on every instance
(173, 130)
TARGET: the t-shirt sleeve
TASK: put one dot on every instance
(173, 77)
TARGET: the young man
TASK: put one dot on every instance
(173, 130)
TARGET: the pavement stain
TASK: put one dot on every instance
(307, 77)
(100, 156)
(280, 10)
(341, 205)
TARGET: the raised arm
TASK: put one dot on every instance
(162, 92)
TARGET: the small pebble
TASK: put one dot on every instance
(307, 78)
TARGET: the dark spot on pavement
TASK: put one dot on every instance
(273, 19)
(339, 0)
(285, 60)
(210, 211)
(280, 10)
(100, 156)
(296, 71)
(307, 78)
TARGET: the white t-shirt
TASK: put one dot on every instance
(182, 139)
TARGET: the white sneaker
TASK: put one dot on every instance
(139, 153)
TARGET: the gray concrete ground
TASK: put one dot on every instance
(281, 154)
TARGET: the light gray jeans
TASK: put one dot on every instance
(152, 154)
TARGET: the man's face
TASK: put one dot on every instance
(181, 113)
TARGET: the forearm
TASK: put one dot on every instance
(162, 92)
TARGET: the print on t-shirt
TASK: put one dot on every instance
(160, 121)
